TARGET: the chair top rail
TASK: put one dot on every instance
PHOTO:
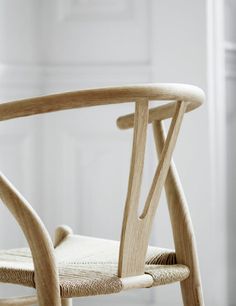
(102, 96)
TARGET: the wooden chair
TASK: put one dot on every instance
(77, 266)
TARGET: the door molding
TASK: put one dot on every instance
(217, 128)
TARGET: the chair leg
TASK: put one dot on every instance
(66, 302)
(191, 294)
(182, 228)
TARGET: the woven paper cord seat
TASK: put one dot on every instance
(88, 266)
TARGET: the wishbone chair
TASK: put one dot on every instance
(74, 265)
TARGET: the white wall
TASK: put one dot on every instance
(57, 45)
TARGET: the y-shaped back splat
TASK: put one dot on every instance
(136, 229)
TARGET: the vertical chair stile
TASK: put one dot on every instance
(132, 236)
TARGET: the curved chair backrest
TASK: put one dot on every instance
(191, 95)
(136, 228)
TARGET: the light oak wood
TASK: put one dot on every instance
(135, 229)
(157, 113)
(46, 274)
(131, 241)
(66, 302)
(60, 234)
(140, 281)
(19, 301)
(102, 96)
(182, 228)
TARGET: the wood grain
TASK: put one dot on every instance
(131, 241)
(182, 228)
(101, 96)
(136, 230)
(46, 273)
(66, 302)
(19, 301)
(157, 113)
(140, 281)
(61, 233)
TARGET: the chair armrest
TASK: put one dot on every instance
(101, 96)
(46, 273)
(191, 95)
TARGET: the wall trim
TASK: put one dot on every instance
(230, 64)
(217, 123)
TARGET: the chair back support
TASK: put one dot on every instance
(136, 229)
